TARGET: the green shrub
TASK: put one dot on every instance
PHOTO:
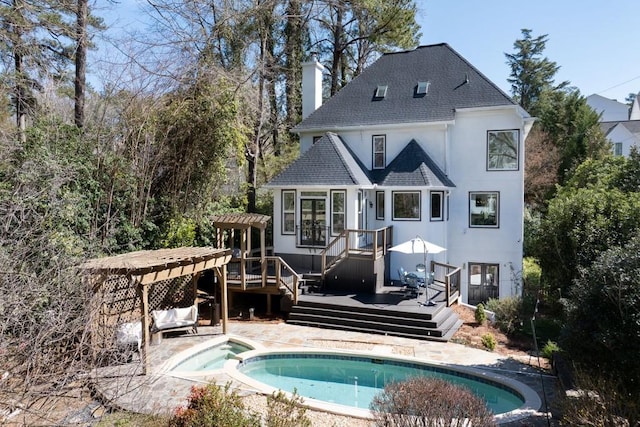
(549, 348)
(507, 314)
(489, 342)
(214, 406)
(420, 401)
(480, 315)
(285, 412)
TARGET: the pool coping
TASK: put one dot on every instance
(532, 402)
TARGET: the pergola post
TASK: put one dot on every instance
(221, 272)
(143, 291)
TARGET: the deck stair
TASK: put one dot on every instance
(437, 323)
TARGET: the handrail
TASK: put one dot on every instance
(279, 266)
(449, 276)
(355, 241)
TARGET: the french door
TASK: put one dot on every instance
(313, 220)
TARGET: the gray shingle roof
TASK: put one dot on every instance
(412, 168)
(632, 126)
(453, 84)
(328, 162)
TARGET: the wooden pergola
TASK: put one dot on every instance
(143, 269)
(242, 222)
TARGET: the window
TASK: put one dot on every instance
(484, 209)
(337, 212)
(379, 145)
(422, 88)
(502, 150)
(381, 91)
(361, 202)
(436, 206)
(288, 211)
(617, 149)
(483, 282)
(379, 204)
(406, 205)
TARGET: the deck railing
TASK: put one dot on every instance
(274, 268)
(448, 276)
(366, 243)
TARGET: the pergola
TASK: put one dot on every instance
(242, 222)
(143, 269)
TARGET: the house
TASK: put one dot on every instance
(420, 144)
(623, 135)
(619, 123)
(609, 109)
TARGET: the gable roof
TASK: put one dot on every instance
(453, 84)
(411, 168)
(328, 162)
(633, 126)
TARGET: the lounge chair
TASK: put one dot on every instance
(175, 319)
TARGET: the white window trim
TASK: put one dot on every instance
(343, 213)
(378, 203)
(282, 205)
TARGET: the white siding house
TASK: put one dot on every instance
(420, 141)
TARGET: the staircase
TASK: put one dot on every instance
(438, 323)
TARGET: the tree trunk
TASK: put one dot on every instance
(81, 61)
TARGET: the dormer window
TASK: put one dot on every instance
(422, 88)
(381, 91)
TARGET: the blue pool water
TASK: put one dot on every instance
(355, 380)
(211, 358)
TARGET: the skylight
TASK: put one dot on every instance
(422, 88)
(381, 91)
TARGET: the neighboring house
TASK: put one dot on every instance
(421, 142)
(610, 110)
(620, 124)
(623, 135)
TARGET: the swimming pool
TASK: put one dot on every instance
(208, 356)
(346, 383)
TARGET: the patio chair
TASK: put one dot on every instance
(410, 281)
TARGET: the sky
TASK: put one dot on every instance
(595, 43)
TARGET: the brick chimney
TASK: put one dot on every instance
(311, 86)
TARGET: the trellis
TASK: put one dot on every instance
(130, 285)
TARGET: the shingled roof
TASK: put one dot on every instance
(412, 167)
(328, 162)
(453, 84)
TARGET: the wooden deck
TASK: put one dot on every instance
(393, 312)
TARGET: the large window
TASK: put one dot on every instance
(406, 205)
(288, 212)
(483, 282)
(502, 150)
(379, 150)
(337, 212)
(379, 204)
(436, 206)
(484, 209)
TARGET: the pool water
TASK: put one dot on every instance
(211, 358)
(355, 380)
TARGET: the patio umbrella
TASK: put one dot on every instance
(417, 245)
